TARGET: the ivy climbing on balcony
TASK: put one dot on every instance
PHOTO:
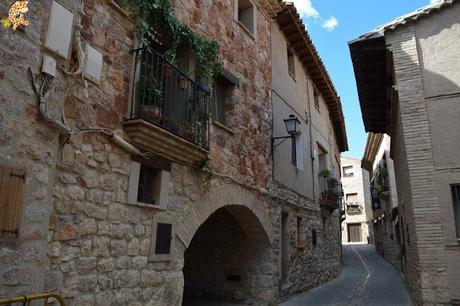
(158, 25)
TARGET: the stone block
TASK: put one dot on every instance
(133, 247)
(101, 246)
(117, 213)
(104, 298)
(23, 276)
(83, 300)
(94, 210)
(8, 257)
(150, 278)
(118, 248)
(88, 227)
(53, 281)
(123, 262)
(140, 262)
(86, 264)
(105, 282)
(105, 265)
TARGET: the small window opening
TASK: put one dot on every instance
(291, 62)
(146, 190)
(316, 98)
(456, 203)
(246, 15)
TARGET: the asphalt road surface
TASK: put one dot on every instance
(366, 279)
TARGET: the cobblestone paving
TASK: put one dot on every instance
(366, 279)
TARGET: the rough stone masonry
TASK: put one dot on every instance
(79, 237)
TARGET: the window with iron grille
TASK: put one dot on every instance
(456, 203)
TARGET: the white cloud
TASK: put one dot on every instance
(331, 23)
(306, 9)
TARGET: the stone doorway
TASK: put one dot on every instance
(223, 264)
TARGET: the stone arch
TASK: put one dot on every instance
(237, 201)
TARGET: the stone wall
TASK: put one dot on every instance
(78, 235)
(25, 141)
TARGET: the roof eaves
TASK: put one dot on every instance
(330, 93)
(405, 19)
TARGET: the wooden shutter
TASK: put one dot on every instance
(11, 184)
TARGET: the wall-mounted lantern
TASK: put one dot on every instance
(292, 127)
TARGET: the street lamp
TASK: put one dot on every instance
(292, 124)
(292, 127)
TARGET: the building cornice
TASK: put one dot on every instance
(270, 8)
(370, 152)
(297, 35)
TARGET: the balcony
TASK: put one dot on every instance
(169, 111)
(353, 208)
(331, 193)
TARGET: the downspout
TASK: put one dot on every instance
(311, 140)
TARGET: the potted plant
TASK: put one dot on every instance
(325, 173)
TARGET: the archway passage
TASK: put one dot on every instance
(223, 263)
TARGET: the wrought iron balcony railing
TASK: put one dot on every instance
(166, 97)
(331, 192)
(353, 208)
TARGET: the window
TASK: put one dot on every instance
(352, 199)
(348, 171)
(322, 158)
(291, 62)
(316, 97)
(163, 233)
(246, 15)
(222, 93)
(148, 185)
(12, 180)
(146, 190)
(456, 202)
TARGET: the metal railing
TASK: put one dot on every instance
(353, 207)
(165, 96)
(25, 300)
(331, 191)
(375, 196)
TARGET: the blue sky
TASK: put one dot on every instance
(331, 24)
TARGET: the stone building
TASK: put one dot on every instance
(356, 227)
(409, 86)
(300, 93)
(385, 215)
(119, 189)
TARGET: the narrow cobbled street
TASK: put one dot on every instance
(366, 279)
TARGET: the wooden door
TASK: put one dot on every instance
(354, 232)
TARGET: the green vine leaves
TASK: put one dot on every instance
(157, 25)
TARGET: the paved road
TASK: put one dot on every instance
(366, 279)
